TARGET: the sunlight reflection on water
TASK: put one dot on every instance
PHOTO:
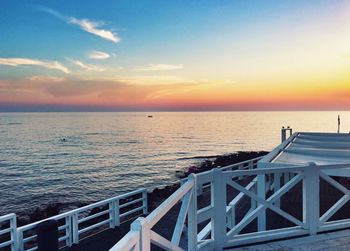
(69, 157)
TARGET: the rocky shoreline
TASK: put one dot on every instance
(157, 195)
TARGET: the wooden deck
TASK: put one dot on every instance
(334, 241)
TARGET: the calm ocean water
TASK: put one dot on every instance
(106, 154)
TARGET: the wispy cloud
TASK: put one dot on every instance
(98, 55)
(85, 24)
(159, 67)
(27, 61)
(39, 78)
(156, 80)
(94, 28)
(88, 67)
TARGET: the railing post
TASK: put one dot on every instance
(262, 194)
(75, 228)
(112, 214)
(68, 220)
(20, 244)
(240, 167)
(219, 209)
(117, 213)
(192, 216)
(144, 202)
(140, 226)
(14, 239)
(283, 134)
(311, 198)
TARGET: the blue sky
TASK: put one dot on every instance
(214, 44)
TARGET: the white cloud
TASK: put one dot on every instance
(27, 61)
(46, 79)
(159, 67)
(98, 55)
(88, 67)
(84, 24)
(93, 28)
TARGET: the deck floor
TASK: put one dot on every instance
(333, 241)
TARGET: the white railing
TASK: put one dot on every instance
(230, 231)
(141, 235)
(239, 206)
(244, 165)
(225, 227)
(8, 234)
(78, 223)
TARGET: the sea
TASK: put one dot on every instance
(71, 158)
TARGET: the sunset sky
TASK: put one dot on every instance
(174, 55)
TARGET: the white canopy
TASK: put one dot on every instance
(304, 147)
(320, 148)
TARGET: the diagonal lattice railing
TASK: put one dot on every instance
(229, 212)
(227, 228)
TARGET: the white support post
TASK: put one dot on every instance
(261, 194)
(240, 167)
(20, 241)
(117, 213)
(192, 216)
(140, 226)
(68, 230)
(283, 134)
(145, 202)
(14, 239)
(112, 219)
(219, 209)
(311, 198)
(75, 228)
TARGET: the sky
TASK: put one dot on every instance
(144, 55)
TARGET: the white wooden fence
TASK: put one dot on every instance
(217, 225)
(110, 213)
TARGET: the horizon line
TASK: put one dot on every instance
(189, 110)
